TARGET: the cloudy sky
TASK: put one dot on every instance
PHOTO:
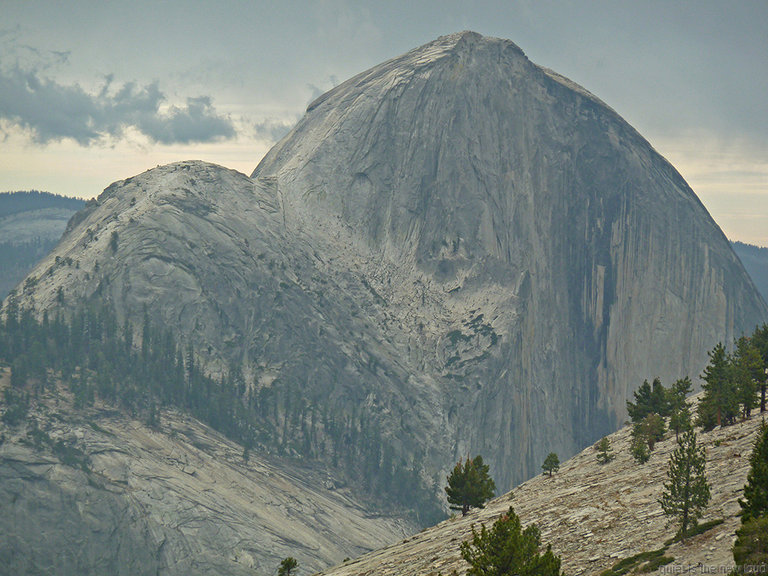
(93, 92)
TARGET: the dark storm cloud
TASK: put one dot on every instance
(51, 111)
(197, 122)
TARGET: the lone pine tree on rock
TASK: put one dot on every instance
(686, 493)
(551, 464)
(604, 451)
(287, 566)
(469, 485)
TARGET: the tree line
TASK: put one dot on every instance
(140, 369)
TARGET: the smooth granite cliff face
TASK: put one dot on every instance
(562, 258)
(466, 251)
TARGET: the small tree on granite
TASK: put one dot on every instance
(551, 464)
(645, 434)
(755, 502)
(652, 428)
(686, 493)
(639, 449)
(681, 418)
(469, 485)
(604, 451)
(287, 566)
(507, 549)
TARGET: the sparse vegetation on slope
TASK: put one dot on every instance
(597, 515)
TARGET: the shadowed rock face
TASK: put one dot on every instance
(467, 251)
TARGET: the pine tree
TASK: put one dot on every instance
(469, 485)
(719, 406)
(686, 493)
(748, 373)
(604, 451)
(680, 418)
(760, 339)
(645, 434)
(639, 449)
(551, 464)
(660, 399)
(507, 549)
(641, 407)
(287, 566)
(755, 502)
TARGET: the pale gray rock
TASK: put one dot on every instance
(555, 259)
(176, 499)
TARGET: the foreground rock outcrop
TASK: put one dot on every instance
(455, 252)
(594, 515)
(95, 492)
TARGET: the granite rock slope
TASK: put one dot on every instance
(174, 498)
(594, 515)
(466, 251)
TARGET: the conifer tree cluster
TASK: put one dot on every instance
(652, 405)
(140, 369)
(735, 383)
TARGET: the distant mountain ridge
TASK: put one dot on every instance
(755, 260)
(27, 200)
(31, 223)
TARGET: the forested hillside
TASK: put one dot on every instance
(140, 370)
